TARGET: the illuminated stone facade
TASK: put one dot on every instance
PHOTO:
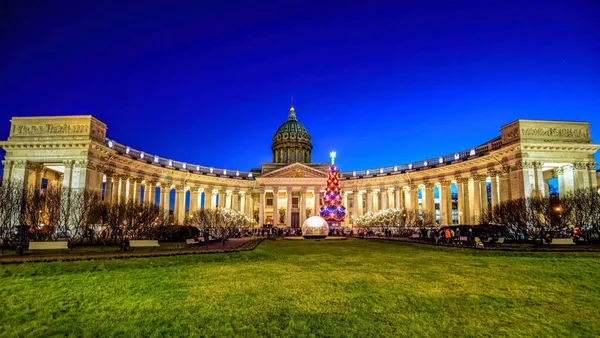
(73, 152)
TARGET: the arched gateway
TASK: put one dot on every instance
(73, 152)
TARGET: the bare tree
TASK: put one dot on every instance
(11, 199)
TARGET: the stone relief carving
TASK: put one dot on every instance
(580, 133)
(510, 135)
(51, 129)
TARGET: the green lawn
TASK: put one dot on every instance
(303, 288)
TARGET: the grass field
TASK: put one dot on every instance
(303, 288)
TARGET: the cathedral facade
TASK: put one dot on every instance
(73, 152)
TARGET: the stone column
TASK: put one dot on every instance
(117, 188)
(383, 198)
(428, 200)
(592, 174)
(194, 199)
(8, 165)
(261, 212)
(359, 203)
(65, 201)
(484, 205)
(474, 200)
(250, 202)
(179, 204)
(137, 190)
(445, 203)
(166, 197)
(369, 196)
(275, 206)
(462, 185)
(208, 198)
(242, 206)
(146, 192)
(522, 180)
(151, 187)
(302, 206)
(235, 200)
(397, 199)
(538, 179)
(494, 188)
(130, 192)
(220, 197)
(227, 199)
(505, 186)
(345, 204)
(288, 211)
(411, 195)
(108, 188)
(581, 175)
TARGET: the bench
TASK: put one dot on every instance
(415, 236)
(143, 243)
(49, 245)
(562, 241)
(191, 241)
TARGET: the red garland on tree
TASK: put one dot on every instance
(332, 209)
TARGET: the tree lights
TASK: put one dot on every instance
(332, 209)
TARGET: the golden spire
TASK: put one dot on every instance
(292, 112)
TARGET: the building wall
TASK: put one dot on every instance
(73, 152)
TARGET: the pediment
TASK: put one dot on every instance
(295, 170)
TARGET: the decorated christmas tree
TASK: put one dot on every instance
(332, 209)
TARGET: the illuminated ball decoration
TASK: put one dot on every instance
(315, 227)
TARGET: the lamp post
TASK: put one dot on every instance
(558, 210)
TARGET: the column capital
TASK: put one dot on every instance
(66, 163)
(445, 183)
(38, 167)
(592, 165)
(462, 180)
(559, 171)
(493, 172)
(580, 165)
(538, 164)
(180, 187)
(428, 185)
(479, 177)
(151, 183)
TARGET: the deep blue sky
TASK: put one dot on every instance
(383, 83)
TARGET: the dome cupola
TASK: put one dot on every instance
(291, 142)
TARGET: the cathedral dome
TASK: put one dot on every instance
(291, 125)
(291, 142)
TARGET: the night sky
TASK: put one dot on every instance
(382, 83)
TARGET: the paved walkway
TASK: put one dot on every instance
(502, 247)
(231, 245)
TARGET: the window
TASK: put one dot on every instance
(294, 202)
(269, 201)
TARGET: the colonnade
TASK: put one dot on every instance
(524, 179)
(201, 197)
(308, 198)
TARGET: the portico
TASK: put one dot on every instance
(72, 153)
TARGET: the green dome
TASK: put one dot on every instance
(291, 125)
